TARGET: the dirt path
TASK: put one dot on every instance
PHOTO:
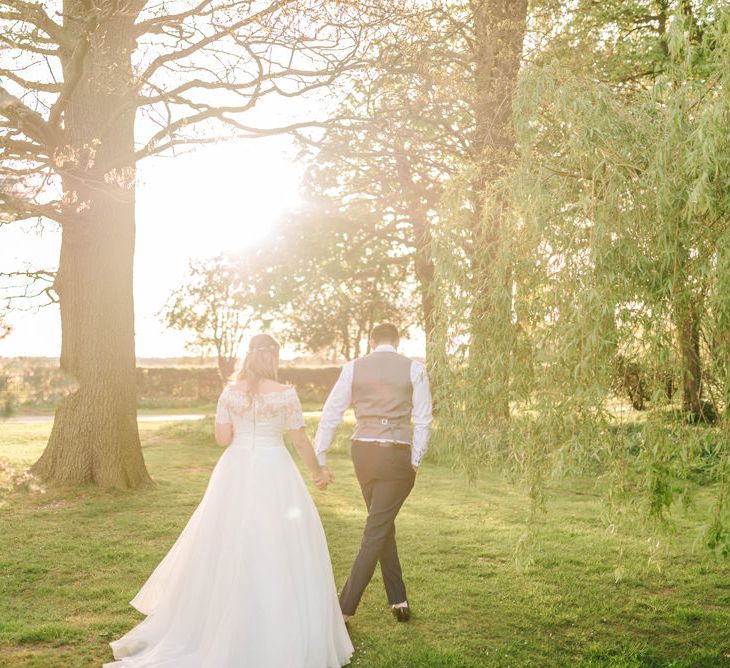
(41, 419)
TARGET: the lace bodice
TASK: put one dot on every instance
(259, 419)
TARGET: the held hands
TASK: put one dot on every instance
(323, 478)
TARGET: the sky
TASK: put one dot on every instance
(221, 197)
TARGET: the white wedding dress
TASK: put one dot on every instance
(248, 583)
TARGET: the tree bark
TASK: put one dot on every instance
(95, 437)
(499, 34)
(424, 267)
(688, 330)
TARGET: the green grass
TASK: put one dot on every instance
(70, 560)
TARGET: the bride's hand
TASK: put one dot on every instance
(323, 478)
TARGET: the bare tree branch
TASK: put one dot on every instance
(159, 23)
(14, 208)
(33, 284)
(33, 12)
(28, 121)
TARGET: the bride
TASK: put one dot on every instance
(248, 583)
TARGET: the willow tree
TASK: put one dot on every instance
(90, 89)
(624, 206)
(628, 47)
(500, 27)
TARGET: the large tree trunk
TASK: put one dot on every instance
(499, 27)
(688, 331)
(94, 437)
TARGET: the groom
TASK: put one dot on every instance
(386, 391)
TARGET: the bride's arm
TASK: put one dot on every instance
(303, 446)
(223, 434)
(223, 422)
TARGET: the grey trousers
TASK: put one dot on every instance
(386, 479)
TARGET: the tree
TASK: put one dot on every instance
(624, 203)
(676, 293)
(329, 277)
(499, 32)
(402, 141)
(188, 74)
(631, 49)
(434, 106)
(216, 304)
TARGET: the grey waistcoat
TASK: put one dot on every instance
(382, 396)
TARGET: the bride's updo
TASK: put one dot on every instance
(261, 361)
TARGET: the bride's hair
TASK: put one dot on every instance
(261, 361)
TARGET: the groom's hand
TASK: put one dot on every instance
(324, 478)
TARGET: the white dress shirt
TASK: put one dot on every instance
(340, 399)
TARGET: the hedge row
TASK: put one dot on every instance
(202, 384)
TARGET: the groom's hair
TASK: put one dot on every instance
(385, 333)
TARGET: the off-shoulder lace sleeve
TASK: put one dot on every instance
(294, 415)
(222, 412)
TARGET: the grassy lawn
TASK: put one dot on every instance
(71, 560)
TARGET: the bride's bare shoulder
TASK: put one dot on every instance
(237, 385)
